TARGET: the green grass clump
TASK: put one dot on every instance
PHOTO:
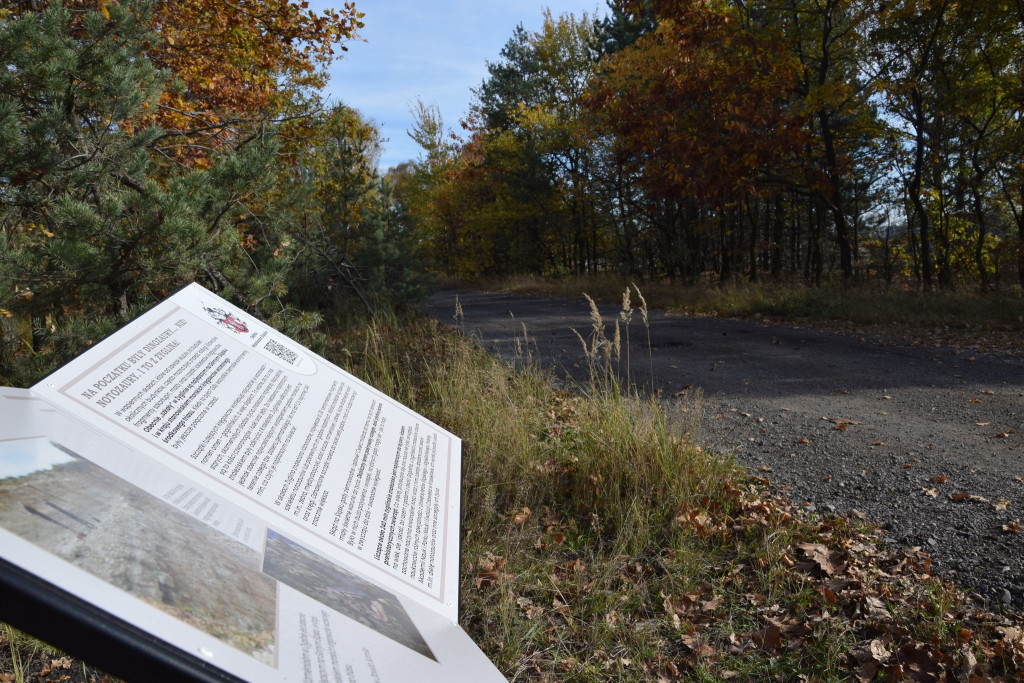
(898, 306)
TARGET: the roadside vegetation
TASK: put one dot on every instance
(602, 542)
(991, 321)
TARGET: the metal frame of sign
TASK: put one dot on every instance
(81, 629)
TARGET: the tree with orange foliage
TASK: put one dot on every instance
(234, 63)
(702, 114)
(702, 105)
(239, 61)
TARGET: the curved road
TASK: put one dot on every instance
(844, 424)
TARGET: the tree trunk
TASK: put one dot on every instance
(915, 194)
(835, 198)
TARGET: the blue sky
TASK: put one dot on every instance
(429, 50)
(25, 456)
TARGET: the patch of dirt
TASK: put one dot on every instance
(923, 436)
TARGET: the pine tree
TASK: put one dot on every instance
(91, 224)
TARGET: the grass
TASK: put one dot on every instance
(24, 658)
(898, 306)
(602, 542)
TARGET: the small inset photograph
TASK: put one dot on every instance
(100, 523)
(353, 596)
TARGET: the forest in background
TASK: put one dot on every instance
(702, 141)
(145, 144)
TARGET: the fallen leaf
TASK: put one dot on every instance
(711, 605)
(769, 638)
(983, 424)
(875, 608)
(522, 516)
(878, 651)
(931, 493)
(842, 421)
(921, 659)
(939, 479)
(828, 562)
(1012, 527)
(964, 496)
(1001, 504)
(803, 440)
(490, 571)
(867, 671)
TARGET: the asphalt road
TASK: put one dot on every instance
(842, 424)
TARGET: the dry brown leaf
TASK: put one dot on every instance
(921, 658)
(964, 496)
(1001, 504)
(803, 440)
(522, 516)
(711, 605)
(697, 645)
(490, 574)
(769, 638)
(1012, 527)
(939, 479)
(867, 670)
(560, 607)
(931, 493)
(843, 421)
(827, 561)
(878, 651)
(532, 611)
(875, 608)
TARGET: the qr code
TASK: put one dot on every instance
(281, 351)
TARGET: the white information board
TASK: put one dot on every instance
(205, 478)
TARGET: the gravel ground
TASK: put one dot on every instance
(926, 442)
